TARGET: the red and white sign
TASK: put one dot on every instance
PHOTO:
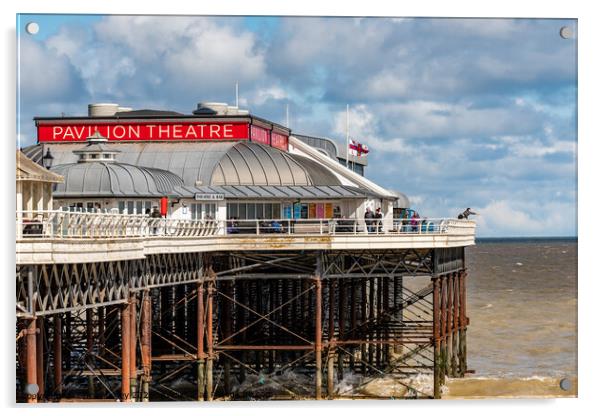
(260, 135)
(280, 141)
(143, 131)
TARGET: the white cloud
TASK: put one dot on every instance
(45, 75)
(363, 126)
(524, 218)
(130, 56)
(533, 147)
(261, 95)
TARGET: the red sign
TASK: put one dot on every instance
(260, 135)
(143, 131)
(280, 141)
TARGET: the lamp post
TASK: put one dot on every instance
(47, 159)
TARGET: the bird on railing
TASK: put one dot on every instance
(467, 212)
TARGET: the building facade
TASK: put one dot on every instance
(218, 163)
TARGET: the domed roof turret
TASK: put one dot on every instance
(98, 174)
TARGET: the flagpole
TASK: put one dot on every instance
(236, 94)
(347, 141)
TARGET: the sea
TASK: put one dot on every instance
(522, 305)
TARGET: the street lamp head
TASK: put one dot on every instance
(47, 159)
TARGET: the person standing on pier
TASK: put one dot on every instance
(368, 218)
(379, 220)
(467, 212)
(155, 214)
(414, 221)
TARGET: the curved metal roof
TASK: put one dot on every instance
(102, 179)
(211, 163)
(154, 168)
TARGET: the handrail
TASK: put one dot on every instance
(98, 225)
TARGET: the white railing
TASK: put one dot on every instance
(68, 224)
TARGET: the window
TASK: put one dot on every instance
(232, 211)
(260, 211)
(134, 207)
(251, 214)
(202, 211)
(252, 211)
(287, 211)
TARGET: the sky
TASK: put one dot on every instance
(457, 113)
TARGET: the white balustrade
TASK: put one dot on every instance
(99, 225)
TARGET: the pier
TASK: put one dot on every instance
(253, 265)
(116, 307)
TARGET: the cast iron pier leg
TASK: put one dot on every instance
(125, 352)
(40, 357)
(318, 338)
(200, 329)
(331, 341)
(133, 339)
(146, 343)
(436, 344)
(57, 343)
(210, 357)
(32, 378)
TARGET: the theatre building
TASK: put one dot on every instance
(219, 162)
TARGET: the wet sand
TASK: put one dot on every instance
(508, 388)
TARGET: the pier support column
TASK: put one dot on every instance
(89, 346)
(456, 320)
(226, 330)
(342, 325)
(68, 340)
(200, 330)
(40, 357)
(100, 314)
(372, 323)
(31, 375)
(331, 343)
(318, 337)
(57, 343)
(449, 322)
(210, 356)
(463, 324)
(363, 317)
(436, 341)
(125, 353)
(353, 335)
(146, 343)
(133, 339)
